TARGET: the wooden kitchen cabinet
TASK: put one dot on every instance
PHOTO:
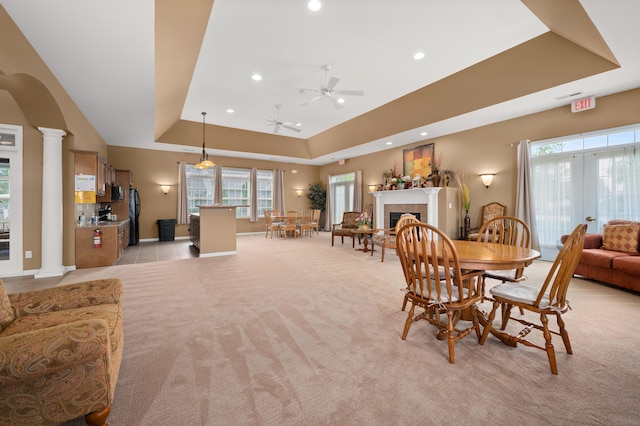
(114, 239)
(94, 164)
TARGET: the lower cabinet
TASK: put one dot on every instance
(114, 238)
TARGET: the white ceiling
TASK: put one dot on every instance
(102, 52)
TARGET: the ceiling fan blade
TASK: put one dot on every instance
(291, 128)
(335, 102)
(315, 98)
(332, 83)
(350, 92)
(276, 130)
(307, 89)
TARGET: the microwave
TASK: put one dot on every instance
(117, 193)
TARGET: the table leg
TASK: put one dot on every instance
(505, 338)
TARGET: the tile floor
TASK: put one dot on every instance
(143, 252)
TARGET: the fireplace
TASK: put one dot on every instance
(395, 216)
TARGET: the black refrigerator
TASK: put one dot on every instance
(134, 212)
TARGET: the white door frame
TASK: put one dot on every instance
(14, 266)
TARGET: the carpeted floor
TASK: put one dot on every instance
(293, 332)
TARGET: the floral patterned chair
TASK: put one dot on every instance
(489, 211)
(60, 353)
(344, 228)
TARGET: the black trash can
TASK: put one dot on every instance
(167, 228)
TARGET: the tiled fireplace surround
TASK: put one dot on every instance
(418, 200)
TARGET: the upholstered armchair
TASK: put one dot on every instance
(344, 228)
(60, 353)
(489, 211)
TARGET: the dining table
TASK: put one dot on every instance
(486, 256)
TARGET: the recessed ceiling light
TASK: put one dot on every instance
(424, 134)
(256, 77)
(314, 5)
(389, 143)
(298, 124)
(418, 55)
(341, 100)
(230, 111)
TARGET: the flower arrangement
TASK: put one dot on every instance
(436, 163)
(399, 180)
(364, 219)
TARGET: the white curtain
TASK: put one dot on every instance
(328, 221)
(524, 197)
(183, 199)
(217, 185)
(278, 190)
(253, 195)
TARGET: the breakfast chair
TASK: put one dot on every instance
(489, 211)
(506, 230)
(550, 299)
(315, 221)
(304, 225)
(436, 283)
(271, 225)
(290, 224)
(344, 228)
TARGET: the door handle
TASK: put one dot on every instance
(590, 219)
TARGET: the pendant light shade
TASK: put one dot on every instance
(204, 163)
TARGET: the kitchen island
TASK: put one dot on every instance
(213, 230)
(114, 238)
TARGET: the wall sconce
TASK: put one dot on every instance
(372, 188)
(298, 192)
(487, 179)
(165, 189)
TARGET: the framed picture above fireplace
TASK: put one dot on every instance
(417, 161)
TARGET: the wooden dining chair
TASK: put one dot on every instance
(271, 225)
(507, 230)
(315, 220)
(436, 284)
(550, 299)
(290, 224)
(304, 223)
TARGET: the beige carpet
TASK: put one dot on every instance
(298, 332)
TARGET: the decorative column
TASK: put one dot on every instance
(51, 204)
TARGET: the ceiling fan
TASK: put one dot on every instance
(328, 90)
(277, 124)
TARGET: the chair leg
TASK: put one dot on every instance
(489, 323)
(506, 314)
(451, 339)
(407, 324)
(404, 302)
(564, 334)
(382, 258)
(551, 354)
(98, 418)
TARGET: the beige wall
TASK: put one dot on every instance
(489, 149)
(153, 168)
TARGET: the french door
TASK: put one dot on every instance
(590, 187)
(10, 201)
(342, 195)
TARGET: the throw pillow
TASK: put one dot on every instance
(6, 312)
(622, 238)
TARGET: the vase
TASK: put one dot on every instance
(467, 225)
(363, 227)
(435, 179)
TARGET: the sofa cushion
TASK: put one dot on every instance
(6, 311)
(600, 258)
(628, 264)
(622, 238)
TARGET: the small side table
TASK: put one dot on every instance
(366, 233)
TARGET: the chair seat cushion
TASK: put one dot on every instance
(343, 231)
(508, 275)
(519, 292)
(444, 296)
(600, 258)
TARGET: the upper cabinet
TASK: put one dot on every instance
(94, 164)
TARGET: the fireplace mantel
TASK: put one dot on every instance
(441, 205)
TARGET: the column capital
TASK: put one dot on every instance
(52, 132)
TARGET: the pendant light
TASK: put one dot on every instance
(204, 163)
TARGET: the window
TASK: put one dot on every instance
(595, 174)
(200, 187)
(235, 190)
(265, 191)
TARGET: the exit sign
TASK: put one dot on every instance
(583, 104)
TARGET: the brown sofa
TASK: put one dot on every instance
(60, 353)
(612, 256)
